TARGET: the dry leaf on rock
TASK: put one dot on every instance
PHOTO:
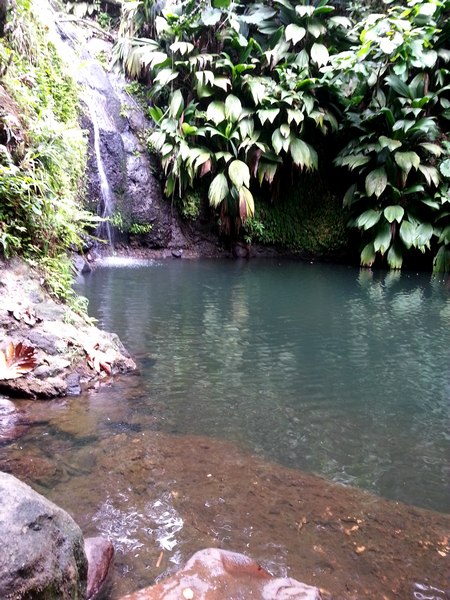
(17, 360)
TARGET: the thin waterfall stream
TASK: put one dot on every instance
(106, 203)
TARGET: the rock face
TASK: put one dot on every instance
(115, 124)
(215, 574)
(70, 351)
(42, 554)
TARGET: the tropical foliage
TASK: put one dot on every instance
(42, 152)
(243, 94)
(237, 93)
(397, 90)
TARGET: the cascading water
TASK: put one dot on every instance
(106, 205)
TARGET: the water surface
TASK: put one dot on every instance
(322, 368)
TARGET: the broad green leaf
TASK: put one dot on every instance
(165, 76)
(285, 130)
(398, 85)
(349, 194)
(368, 255)
(295, 115)
(182, 47)
(211, 16)
(226, 156)
(257, 90)
(315, 28)
(407, 160)
(407, 233)
(222, 82)
(233, 108)
(352, 161)
(156, 113)
(394, 257)
(239, 174)
(376, 182)
(303, 155)
(266, 171)
(386, 142)
(394, 213)
(441, 263)
(216, 112)
(218, 190)
(383, 239)
(319, 54)
(205, 77)
(176, 104)
(304, 10)
(423, 236)
(368, 219)
(431, 174)
(444, 168)
(246, 203)
(445, 235)
(294, 33)
(189, 129)
(277, 141)
(433, 149)
(268, 114)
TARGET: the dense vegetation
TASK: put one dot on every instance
(250, 97)
(42, 151)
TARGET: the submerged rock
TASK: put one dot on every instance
(42, 553)
(215, 574)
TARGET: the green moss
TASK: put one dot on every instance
(43, 152)
(306, 218)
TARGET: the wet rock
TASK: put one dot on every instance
(12, 426)
(99, 553)
(73, 384)
(42, 547)
(215, 574)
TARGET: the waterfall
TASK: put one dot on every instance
(106, 205)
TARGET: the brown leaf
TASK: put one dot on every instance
(17, 360)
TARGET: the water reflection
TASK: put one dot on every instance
(324, 368)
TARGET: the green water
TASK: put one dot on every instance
(321, 368)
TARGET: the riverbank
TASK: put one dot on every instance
(69, 352)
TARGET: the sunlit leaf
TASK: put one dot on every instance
(218, 190)
(407, 233)
(394, 257)
(368, 255)
(176, 104)
(383, 239)
(319, 54)
(294, 33)
(216, 112)
(239, 174)
(246, 203)
(394, 213)
(368, 219)
(407, 160)
(233, 108)
(376, 182)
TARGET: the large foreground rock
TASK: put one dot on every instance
(215, 574)
(42, 555)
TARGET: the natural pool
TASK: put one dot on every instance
(318, 368)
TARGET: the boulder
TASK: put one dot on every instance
(215, 574)
(99, 553)
(42, 553)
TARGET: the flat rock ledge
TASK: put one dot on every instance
(215, 574)
(71, 352)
